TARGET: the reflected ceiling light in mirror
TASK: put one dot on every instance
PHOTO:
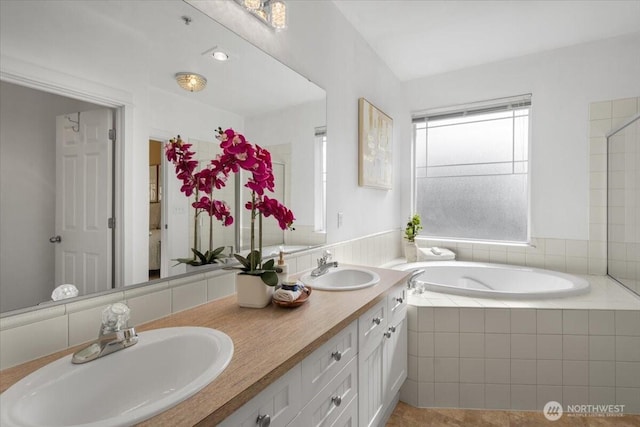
(220, 55)
(271, 12)
(191, 81)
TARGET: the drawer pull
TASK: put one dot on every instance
(400, 300)
(337, 400)
(387, 334)
(377, 320)
(263, 421)
(336, 355)
(392, 328)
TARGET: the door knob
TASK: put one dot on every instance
(55, 239)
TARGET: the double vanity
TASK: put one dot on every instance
(340, 358)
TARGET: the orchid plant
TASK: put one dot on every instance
(201, 184)
(238, 153)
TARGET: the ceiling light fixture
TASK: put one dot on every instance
(191, 81)
(220, 55)
(270, 12)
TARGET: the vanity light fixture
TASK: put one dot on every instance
(271, 12)
(191, 81)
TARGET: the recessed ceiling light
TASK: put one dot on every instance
(220, 55)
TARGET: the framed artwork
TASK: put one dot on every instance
(375, 147)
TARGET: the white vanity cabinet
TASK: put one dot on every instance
(315, 392)
(348, 381)
(382, 356)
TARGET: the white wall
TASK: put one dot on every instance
(320, 44)
(563, 83)
(27, 192)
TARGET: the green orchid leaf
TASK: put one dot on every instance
(268, 265)
(200, 255)
(209, 257)
(243, 261)
(254, 258)
(270, 278)
(218, 251)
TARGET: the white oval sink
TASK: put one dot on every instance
(342, 279)
(164, 368)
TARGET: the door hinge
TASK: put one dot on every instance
(112, 135)
(111, 223)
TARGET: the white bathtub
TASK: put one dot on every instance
(494, 280)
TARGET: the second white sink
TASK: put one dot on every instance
(165, 367)
(342, 279)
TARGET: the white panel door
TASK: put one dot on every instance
(84, 155)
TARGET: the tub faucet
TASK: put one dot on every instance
(411, 283)
(323, 264)
(114, 335)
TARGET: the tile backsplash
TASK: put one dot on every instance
(570, 256)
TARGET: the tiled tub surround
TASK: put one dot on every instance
(494, 354)
(33, 334)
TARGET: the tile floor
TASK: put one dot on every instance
(407, 416)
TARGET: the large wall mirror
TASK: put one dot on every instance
(88, 100)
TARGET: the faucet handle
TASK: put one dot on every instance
(115, 317)
(326, 254)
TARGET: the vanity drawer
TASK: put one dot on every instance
(372, 325)
(327, 406)
(396, 303)
(349, 417)
(281, 402)
(323, 364)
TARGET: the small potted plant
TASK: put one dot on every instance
(410, 232)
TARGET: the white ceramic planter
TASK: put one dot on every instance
(411, 251)
(252, 292)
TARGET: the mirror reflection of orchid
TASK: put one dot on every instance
(201, 184)
(238, 153)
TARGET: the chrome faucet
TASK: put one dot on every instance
(411, 283)
(323, 264)
(114, 335)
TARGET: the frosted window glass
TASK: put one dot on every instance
(473, 183)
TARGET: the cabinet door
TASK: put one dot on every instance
(397, 361)
(371, 382)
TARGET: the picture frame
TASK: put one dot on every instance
(375, 147)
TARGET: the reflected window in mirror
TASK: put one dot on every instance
(320, 177)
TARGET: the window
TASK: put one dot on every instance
(472, 171)
(320, 179)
